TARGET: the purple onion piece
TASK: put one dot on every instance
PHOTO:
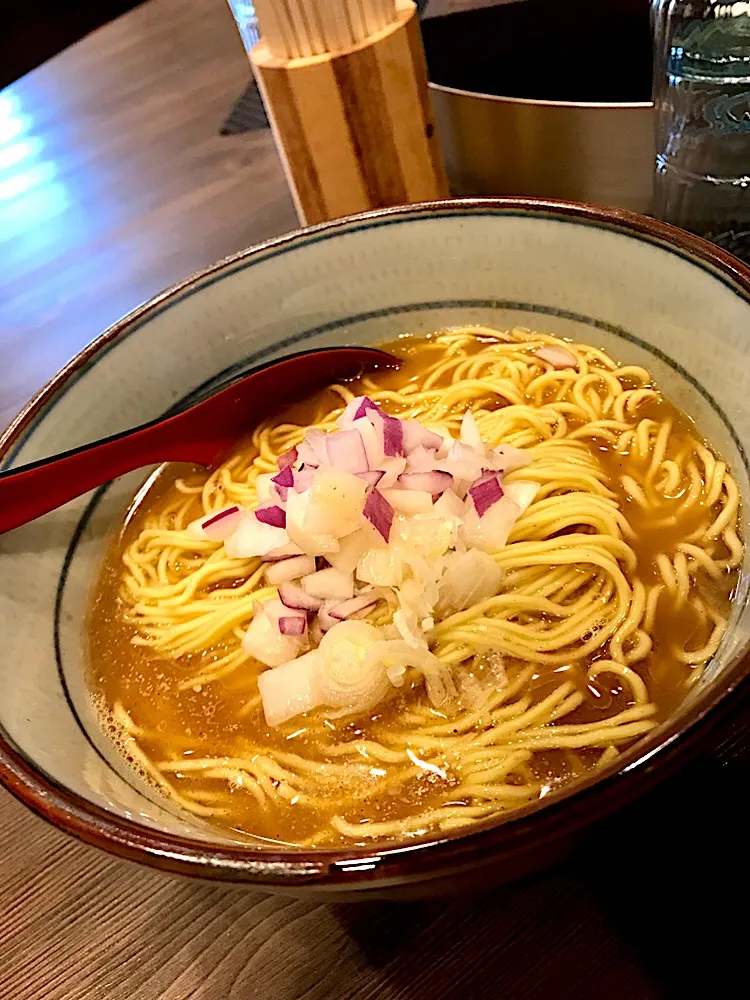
(347, 608)
(485, 493)
(371, 478)
(275, 516)
(293, 596)
(285, 478)
(292, 624)
(287, 459)
(393, 435)
(379, 513)
(215, 518)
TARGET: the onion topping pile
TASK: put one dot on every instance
(380, 514)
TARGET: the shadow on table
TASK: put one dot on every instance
(648, 910)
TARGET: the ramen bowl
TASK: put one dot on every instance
(646, 293)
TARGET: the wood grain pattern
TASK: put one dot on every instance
(646, 913)
(355, 128)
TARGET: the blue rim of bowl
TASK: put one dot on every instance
(531, 827)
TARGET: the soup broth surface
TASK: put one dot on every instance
(202, 742)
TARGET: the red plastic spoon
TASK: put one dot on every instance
(204, 433)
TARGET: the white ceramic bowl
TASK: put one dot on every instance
(648, 294)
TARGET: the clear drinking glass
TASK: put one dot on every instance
(702, 99)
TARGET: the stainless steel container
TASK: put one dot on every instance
(551, 143)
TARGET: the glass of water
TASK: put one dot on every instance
(702, 99)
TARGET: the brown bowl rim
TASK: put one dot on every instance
(527, 830)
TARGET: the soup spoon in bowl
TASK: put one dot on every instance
(202, 433)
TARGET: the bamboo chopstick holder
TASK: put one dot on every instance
(354, 127)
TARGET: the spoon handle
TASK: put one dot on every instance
(39, 488)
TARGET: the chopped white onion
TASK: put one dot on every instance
(522, 493)
(558, 357)
(288, 569)
(293, 596)
(468, 578)
(470, 432)
(253, 538)
(217, 527)
(409, 501)
(329, 584)
(392, 469)
(311, 542)
(264, 641)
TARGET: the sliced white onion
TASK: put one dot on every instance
(372, 442)
(469, 578)
(470, 432)
(463, 462)
(392, 469)
(352, 547)
(288, 569)
(329, 584)
(217, 527)
(415, 436)
(283, 552)
(346, 451)
(335, 503)
(395, 653)
(490, 532)
(253, 538)
(313, 450)
(430, 482)
(522, 493)
(290, 689)
(264, 641)
(506, 458)
(449, 504)
(353, 606)
(558, 357)
(409, 501)
(312, 542)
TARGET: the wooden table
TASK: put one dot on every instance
(123, 186)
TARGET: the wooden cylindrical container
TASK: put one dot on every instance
(355, 128)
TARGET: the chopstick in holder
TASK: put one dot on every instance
(356, 18)
(296, 16)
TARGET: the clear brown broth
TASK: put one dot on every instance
(205, 721)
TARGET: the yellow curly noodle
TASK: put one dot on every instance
(634, 525)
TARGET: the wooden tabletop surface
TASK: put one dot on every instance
(114, 182)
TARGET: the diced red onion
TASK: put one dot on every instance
(275, 516)
(292, 624)
(372, 439)
(415, 436)
(346, 451)
(379, 513)
(289, 569)
(372, 478)
(558, 357)
(355, 409)
(432, 482)
(287, 551)
(348, 608)
(293, 596)
(390, 429)
(485, 493)
(313, 449)
(421, 459)
(218, 527)
(285, 478)
(287, 459)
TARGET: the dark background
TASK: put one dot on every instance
(34, 30)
